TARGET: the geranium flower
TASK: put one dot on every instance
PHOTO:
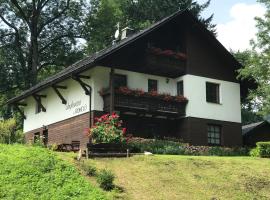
(124, 131)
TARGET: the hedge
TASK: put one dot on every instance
(262, 150)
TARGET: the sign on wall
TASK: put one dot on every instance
(76, 107)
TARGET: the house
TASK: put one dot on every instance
(177, 57)
(256, 132)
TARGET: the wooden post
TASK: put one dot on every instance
(86, 154)
(112, 91)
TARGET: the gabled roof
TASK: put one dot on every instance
(250, 127)
(247, 128)
(92, 60)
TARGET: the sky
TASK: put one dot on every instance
(235, 21)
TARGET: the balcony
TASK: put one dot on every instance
(144, 104)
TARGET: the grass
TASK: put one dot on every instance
(187, 177)
(37, 173)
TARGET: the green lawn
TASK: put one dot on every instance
(186, 177)
(36, 173)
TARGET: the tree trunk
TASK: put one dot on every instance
(34, 50)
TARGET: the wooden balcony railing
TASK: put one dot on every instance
(144, 105)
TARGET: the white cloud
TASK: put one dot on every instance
(237, 33)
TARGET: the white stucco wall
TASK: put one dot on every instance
(77, 104)
(194, 90)
(101, 77)
(229, 108)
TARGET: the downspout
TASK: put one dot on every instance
(90, 105)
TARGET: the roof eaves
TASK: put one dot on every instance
(84, 64)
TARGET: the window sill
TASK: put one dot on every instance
(214, 103)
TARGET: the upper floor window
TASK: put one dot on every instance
(120, 80)
(212, 93)
(152, 85)
(180, 88)
(38, 108)
(214, 134)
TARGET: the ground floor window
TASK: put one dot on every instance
(214, 134)
(36, 137)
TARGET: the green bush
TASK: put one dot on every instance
(9, 133)
(157, 147)
(89, 170)
(262, 150)
(38, 142)
(53, 147)
(178, 148)
(105, 179)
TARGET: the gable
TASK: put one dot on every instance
(206, 59)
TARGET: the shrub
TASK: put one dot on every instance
(105, 179)
(90, 170)
(53, 147)
(254, 152)
(9, 132)
(108, 129)
(262, 150)
(179, 148)
(156, 146)
(39, 142)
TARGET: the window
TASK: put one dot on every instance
(180, 88)
(38, 108)
(214, 134)
(36, 137)
(212, 93)
(152, 85)
(120, 80)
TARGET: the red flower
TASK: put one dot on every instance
(168, 53)
(124, 131)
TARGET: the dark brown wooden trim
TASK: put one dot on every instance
(55, 88)
(37, 98)
(16, 106)
(82, 76)
(60, 87)
(112, 73)
(85, 86)
(21, 104)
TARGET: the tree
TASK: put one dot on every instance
(38, 34)
(101, 22)
(259, 62)
(139, 14)
(249, 106)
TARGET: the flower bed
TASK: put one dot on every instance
(153, 94)
(139, 145)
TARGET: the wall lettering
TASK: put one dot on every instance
(76, 107)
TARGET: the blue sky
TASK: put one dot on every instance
(221, 8)
(235, 21)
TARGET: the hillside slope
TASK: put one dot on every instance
(37, 173)
(189, 177)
